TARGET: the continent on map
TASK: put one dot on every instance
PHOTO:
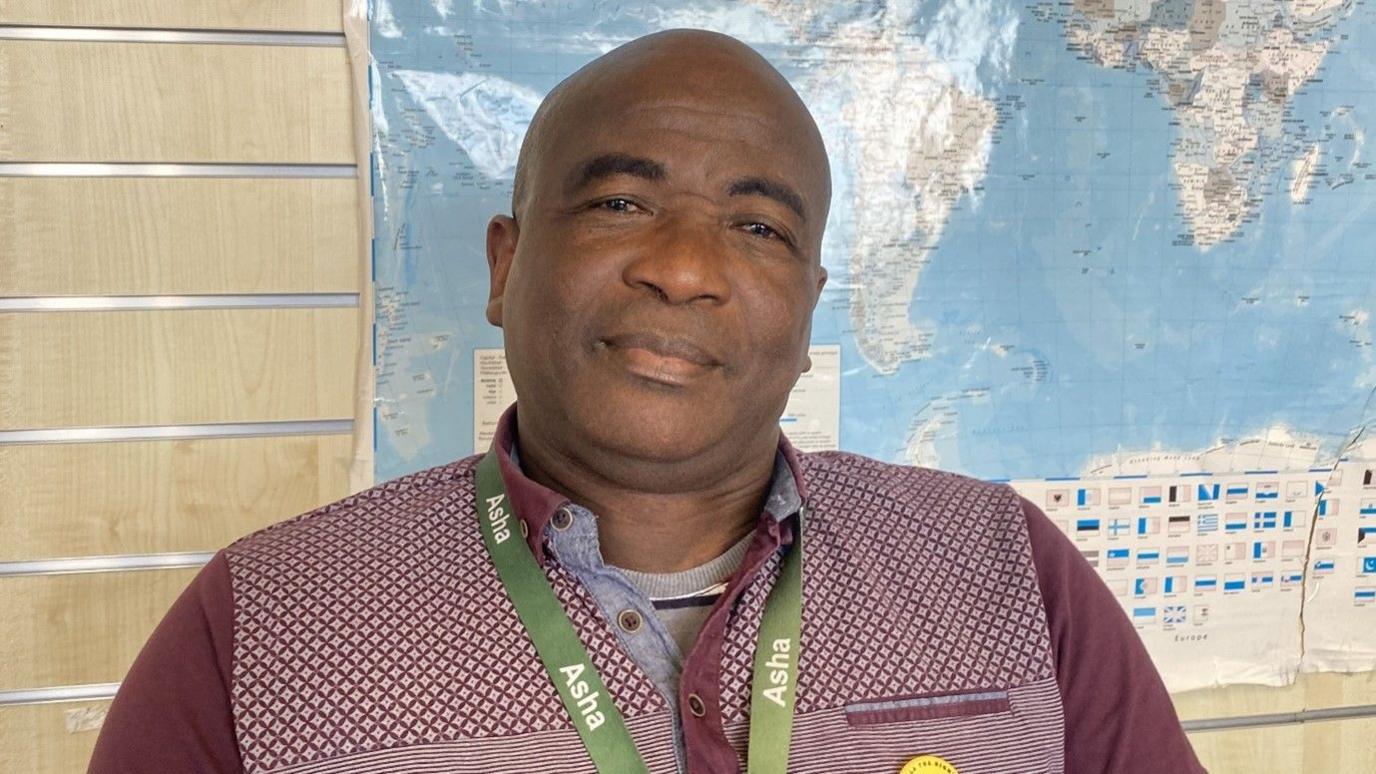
(904, 200)
(1229, 72)
(917, 141)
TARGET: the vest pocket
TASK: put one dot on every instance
(873, 712)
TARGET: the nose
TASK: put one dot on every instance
(682, 260)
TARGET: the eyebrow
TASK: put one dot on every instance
(760, 186)
(610, 165)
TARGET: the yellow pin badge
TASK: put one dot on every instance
(928, 764)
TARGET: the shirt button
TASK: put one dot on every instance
(563, 519)
(629, 621)
(696, 706)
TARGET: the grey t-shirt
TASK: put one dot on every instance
(683, 599)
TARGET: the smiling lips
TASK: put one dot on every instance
(660, 358)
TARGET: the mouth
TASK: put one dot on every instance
(667, 360)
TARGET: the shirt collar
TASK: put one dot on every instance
(535, 503)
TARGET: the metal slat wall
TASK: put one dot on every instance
(180, 321)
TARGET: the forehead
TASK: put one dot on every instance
(700, 135)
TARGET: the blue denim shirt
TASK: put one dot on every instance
(651, 646)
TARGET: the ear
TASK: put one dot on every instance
(502, 233)
(821, 283)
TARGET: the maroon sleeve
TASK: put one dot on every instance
(172, 712)
(1118, 716)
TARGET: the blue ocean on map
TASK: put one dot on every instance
(1057, 233)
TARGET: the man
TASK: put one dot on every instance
(642, 573)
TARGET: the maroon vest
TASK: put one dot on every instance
(374, 635)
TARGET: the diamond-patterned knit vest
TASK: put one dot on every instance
(374, 635)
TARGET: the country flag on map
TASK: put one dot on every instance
(1235, 522)
(1262, 580)
(1207, 492)
(1141, 587)
(1177, 556)
(1205, 583)
(1087, 496)
(1092, 557)
(1119, 587)
(1328, 506)
(1234, 552)
(1118, 527)
(1178, 493)
(1368, 565)
(1173, 584)
(1235, 492)
(1148, 525)
(1264, 549)
(1173, 614)
(1324, 567)
(1264, 520)
(1206, 523)
(1368, 508)
(1086, 526)
(1292, 519)
(1326, 537)
(1363, 594)
(1055, 498)
(1118, 558)
(1366, 536)
(1178, 525)
(1292, 549)
(1234, 582)
(1291, 578)
(1147, 557)
(1267, 490)
(1151, 495)
(1143, 614)
(1206, 554)
(1120, 495)
(1367, 477)
(1296, 490)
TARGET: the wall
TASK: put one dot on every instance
(178, 346)
(206, 325)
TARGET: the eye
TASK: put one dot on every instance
(761, 230)
(616, 204)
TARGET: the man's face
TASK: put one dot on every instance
(657, 293)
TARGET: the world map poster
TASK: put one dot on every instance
(1119, 254)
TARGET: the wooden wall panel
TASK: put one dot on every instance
(138, 102)
(83, 628)
(151, 236)
(1336, 746)
(293, 15)
(88, 499)
(1238, 700)
(1310, 691)
(74, 369)
(56, 738)
(1278, 749)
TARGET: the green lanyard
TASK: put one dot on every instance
(585, 697)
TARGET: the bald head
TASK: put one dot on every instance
(708, 70)
(663, 263)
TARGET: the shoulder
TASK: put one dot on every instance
(917, 495)
(363, 521)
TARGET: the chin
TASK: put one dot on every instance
(651, 429)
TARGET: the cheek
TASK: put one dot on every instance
(778, 327)
(547, 289)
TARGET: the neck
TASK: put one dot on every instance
(655, 516)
